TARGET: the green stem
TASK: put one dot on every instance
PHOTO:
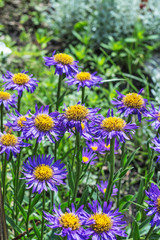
(78, 166)
(42, 230)
(30, 192)
(4, 176)
(122, 164)
(149, 233)
(28, 213)
(16, 184)
(19, 103)
(2, 117)
(59, 91)
(35, 148)
(83, 95)
(112, 167)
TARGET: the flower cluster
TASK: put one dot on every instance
(101, 223)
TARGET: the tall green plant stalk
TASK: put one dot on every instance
(59, 91)
(122, 164)
(111, 174)
(42, 229)
(4, 176)
(19, 103)
(30, 192)
(16, 184)
(28, 213)
(2, 117)
(149, 233)
(78, 165)
(83, 95)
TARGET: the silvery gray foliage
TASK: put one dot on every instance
(152, 68)
(105, 18)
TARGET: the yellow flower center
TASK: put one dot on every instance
(44, 122)
(83, 76)
(103, 222)
(158, 115)
(43, 172)
(104, 190)
(8, 139)
(63, 58)
(158, 204)
(20, 78)
(77, 112)
(85, 159)
(70, 220)
(113, 124)
(94, 148)
(4, 96)
(21, 120)
(107, 146)
(133, 100)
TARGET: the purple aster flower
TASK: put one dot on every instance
(154, 204)
(84, 79)
(154, 115)
(107, 223)
(63, 63)
(103, 147)
(69, 223)
(7, 99)
(75, 115)
(42, 124)
(9, 143)
(88, 156)
(84, 133)
(112, 127)
(132, 103)
(18, 120)
(41, 172)
(103, 187)
(93, 145)
(19, 82)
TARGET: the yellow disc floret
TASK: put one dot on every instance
(133, 100)
(104, 190)
(43, 172)
(94, 148)
(103, 222)
(63, 58)
(158, 115)
(21, 120)
(70, 220)
(20, 78)
(8, 139)
(158, 204)
(107, 146)
(83, 76)
(5, 96)
(113, 124)
(77, 113)
(44, 122)
(85, 159)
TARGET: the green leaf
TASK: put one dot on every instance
(35, 200)
(13, 225)
(24, 214)
(70, 177)
(140, 191)
(36, 231)
(125, 200)
(136, 231)
(84, 197)
(130, 159)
